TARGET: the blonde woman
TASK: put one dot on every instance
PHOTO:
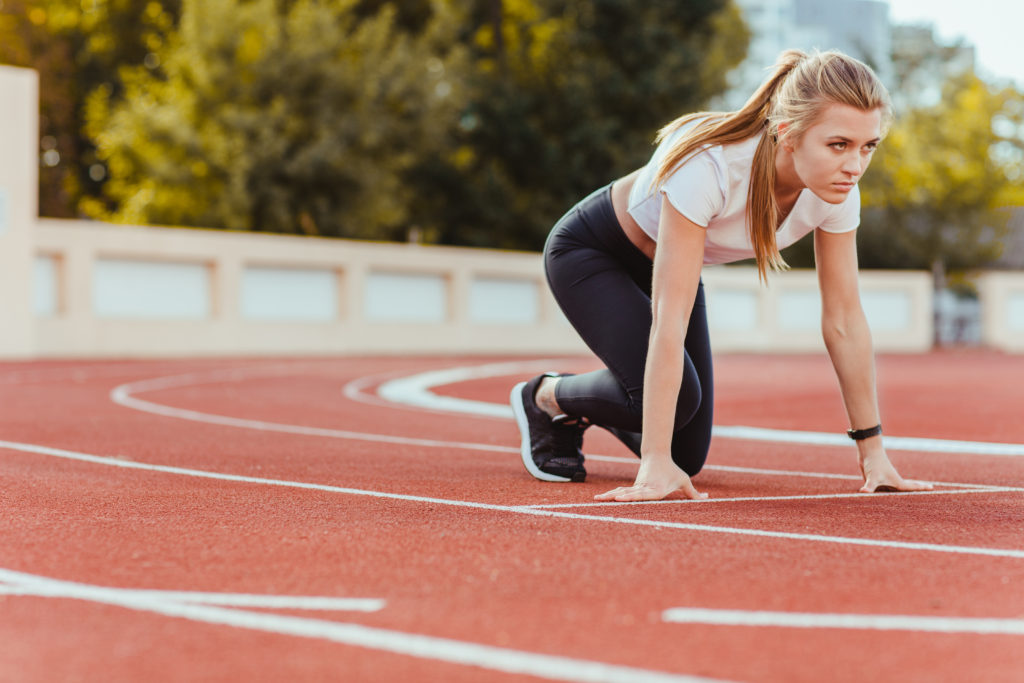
(625, 266)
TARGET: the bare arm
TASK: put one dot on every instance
(848, 340)
(677, 264)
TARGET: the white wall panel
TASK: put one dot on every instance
(289, 294)
(800, 311)
(503, 301)
(402, 297)
(150, 289)
(730, 309)
(1015, 312)
(45, 298)
(887, 309)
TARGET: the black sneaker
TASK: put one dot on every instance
(551, 447)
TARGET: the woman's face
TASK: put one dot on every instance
(832, 155)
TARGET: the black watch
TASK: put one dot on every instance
(861, 434)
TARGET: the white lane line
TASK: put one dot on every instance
(415, 389)
(893, 443)
(848, 477)
(879, 622)
(744, 499)
(521, 509)
(396, 642)
(20, 583)
(355, 389)
(124, 395)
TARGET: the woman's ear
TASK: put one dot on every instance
(783, 137)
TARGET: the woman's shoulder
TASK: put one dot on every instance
(741, 153)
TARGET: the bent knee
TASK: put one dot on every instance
(690, 457)
(688, 403)
(690, 449)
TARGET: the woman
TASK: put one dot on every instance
(624, 265)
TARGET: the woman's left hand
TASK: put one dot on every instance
(881, 477)
(656, 479)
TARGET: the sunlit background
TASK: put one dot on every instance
(477, 123)
(991, 27)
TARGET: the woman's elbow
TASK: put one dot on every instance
(833, 328)
(836, 328)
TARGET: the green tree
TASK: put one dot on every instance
(564, 97)
(76, 47)
(288, 117)
(938, 192)
(335, 117)
(26, 41)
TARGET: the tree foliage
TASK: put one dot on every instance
(26, 40)
(77, 47)
(283, 117)
(472, 121)
(938, 194)
(564, 97)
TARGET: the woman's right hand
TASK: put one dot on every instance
(674, 285)
(656, 479)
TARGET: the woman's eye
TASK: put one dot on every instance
(838, 145)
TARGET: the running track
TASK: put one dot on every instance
(368, 519)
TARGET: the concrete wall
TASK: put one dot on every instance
(123, 290)
(77, 288)
(786, 315)
(19, 183)
(107, 290)
(1002, 310)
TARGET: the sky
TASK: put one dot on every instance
(994, 27)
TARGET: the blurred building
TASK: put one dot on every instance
(857, 27)
(923, 63)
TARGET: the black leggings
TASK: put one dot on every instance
(603, 284)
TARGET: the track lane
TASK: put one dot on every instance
(461, 550)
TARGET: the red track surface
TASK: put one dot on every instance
(587, 586)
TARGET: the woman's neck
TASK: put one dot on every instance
(787, 182)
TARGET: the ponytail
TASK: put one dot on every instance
(798, 90)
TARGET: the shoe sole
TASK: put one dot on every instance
(519, 410)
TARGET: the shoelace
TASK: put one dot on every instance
(567, 437)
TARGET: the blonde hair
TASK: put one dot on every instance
(799, 90)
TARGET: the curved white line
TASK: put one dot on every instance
(517, 509)
(123, 395)
(415, 389)
(354, 390)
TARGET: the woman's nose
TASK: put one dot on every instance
(853, 165)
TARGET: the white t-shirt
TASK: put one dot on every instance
(710, 188)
